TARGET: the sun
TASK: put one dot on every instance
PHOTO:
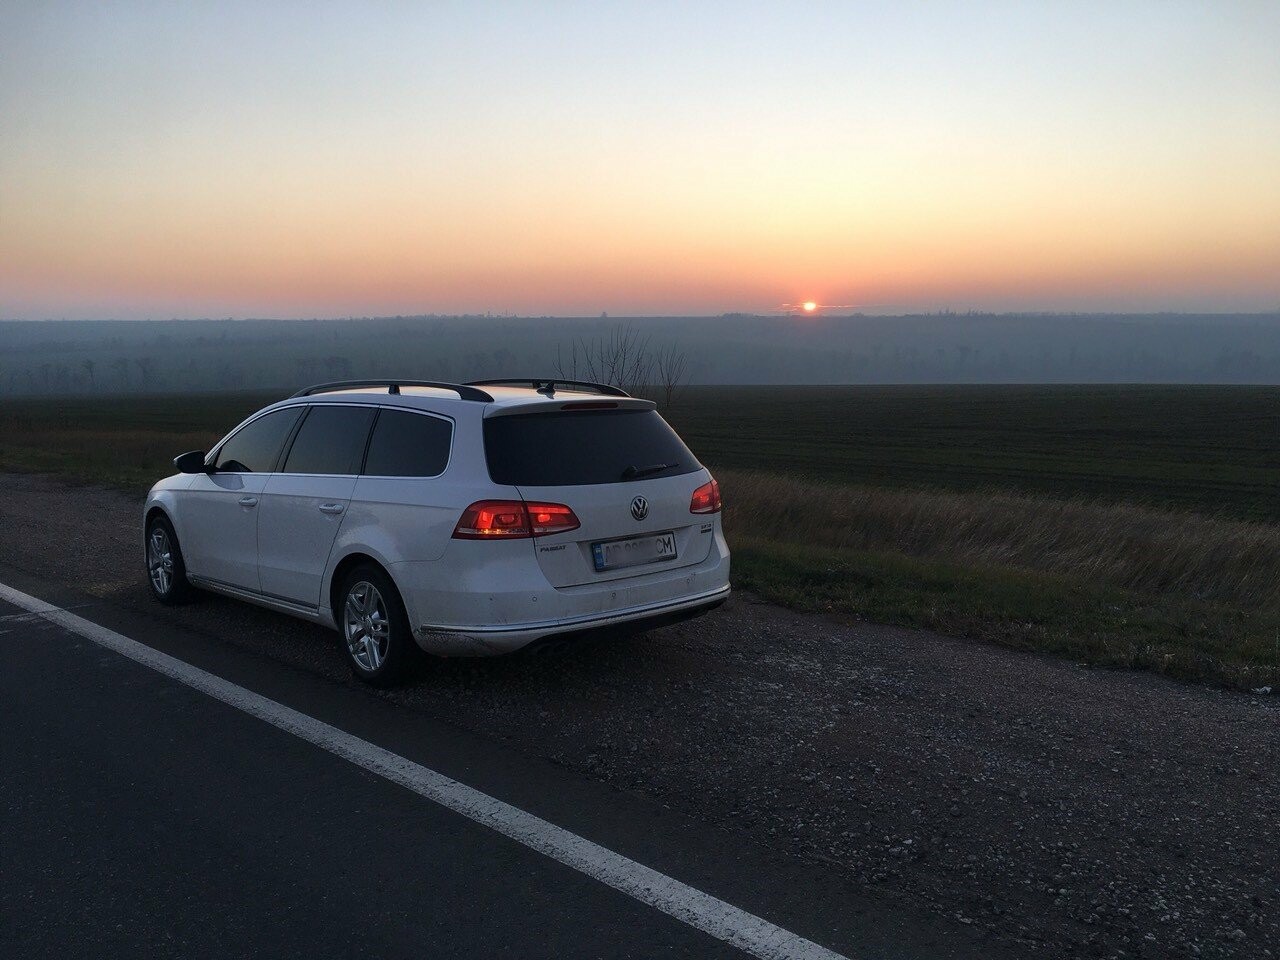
(809, 306)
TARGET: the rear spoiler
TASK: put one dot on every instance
(545, 404)
(547, 386)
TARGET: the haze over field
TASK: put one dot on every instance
(246, 159)
(185, 355)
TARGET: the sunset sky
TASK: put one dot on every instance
(281, 159)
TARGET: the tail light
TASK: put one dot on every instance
(547, 518)
(706, 499)
(493, 520)
(513, 519)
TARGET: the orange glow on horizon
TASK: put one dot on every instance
(540, 171)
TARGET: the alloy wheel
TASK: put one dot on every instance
(365, 625)
(160, 559)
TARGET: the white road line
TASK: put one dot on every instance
(722, 920)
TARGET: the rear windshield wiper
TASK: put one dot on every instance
(634, 473)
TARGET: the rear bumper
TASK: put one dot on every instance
(505, 603)
(491, 641)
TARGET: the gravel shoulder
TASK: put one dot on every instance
(1076, 811)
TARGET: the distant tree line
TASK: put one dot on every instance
(104, 357)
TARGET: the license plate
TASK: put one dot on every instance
(612, 554)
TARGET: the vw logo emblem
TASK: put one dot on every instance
(639, 508)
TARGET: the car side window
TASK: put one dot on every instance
(408, 445)
(330, 441)
(255, 447)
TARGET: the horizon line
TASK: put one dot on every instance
(617, 318)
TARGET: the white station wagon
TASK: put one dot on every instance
(468, 519)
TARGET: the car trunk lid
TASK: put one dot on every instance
(625, 474)
(624, 528)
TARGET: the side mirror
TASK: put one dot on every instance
(192, 462)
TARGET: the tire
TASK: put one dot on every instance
(373, 628)
(166, 571)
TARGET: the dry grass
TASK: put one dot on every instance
(1189, 595)
(1132, 547)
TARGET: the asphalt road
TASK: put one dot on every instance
(883, 792)
(147, 818)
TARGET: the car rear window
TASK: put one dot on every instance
(583, 446)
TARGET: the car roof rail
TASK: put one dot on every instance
(463, 390)
(548, 385)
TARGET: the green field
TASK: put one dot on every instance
(1197, 448)
(1208, 449)
(126, 442)
(1122, 526)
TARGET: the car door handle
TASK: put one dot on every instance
(330, 508)
(248, 501)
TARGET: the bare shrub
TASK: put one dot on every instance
(625, 358)
(670, 368)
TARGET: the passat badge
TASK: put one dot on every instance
(639, 508)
